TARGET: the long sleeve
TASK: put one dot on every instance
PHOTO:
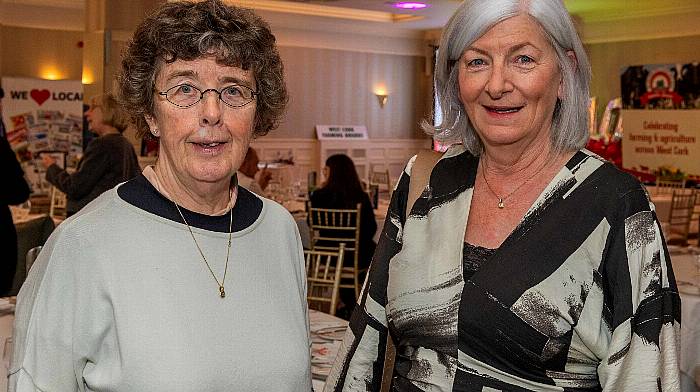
(644, 315)
(360, 361)
(58, 320)
(15, 189)
(95, 163)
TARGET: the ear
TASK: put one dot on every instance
(573, 64)
(151, 121)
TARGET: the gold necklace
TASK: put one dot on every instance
(502, 199)
(222, 292)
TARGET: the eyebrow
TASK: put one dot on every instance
(222, 79)
(512, 49)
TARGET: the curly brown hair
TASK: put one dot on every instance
(192, 30)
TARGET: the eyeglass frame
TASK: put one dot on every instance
(201, 95)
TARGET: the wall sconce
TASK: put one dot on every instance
(382, 98)
(381, 93)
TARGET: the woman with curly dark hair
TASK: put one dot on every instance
(178, 279)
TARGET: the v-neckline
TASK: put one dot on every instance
(562, 175)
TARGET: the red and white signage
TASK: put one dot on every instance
(40, 116)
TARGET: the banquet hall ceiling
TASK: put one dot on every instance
(362, 14)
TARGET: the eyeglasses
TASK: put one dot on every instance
(185, 95)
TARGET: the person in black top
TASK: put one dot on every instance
(15, 190)
(343, 190)
(108, 160)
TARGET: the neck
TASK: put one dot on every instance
(201, 197)
(108, 129)
(521, 164)
(520, 159)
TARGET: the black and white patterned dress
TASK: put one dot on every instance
(580, 296)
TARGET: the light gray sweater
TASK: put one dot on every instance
(120, 300)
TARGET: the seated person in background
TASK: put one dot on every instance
(343, 190)
(247, 171)
(108, 160)
(14, 191)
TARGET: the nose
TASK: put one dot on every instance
(210, 109)
(499, 82)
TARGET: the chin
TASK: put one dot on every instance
(213, 174)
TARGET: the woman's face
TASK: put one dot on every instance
(509, 81)
(205, 142)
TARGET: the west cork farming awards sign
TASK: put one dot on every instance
(661, 117)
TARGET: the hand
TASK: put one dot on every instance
(264, 178)
(47, 160)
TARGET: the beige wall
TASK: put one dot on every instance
(336, 87)
(608, 58)
(28, 52)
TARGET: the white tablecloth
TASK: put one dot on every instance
(324, 349)
(686, 272)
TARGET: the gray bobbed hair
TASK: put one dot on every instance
(471, 20)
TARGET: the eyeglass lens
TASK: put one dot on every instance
(185, 95)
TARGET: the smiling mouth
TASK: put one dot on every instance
(503, 109)
(208, 145)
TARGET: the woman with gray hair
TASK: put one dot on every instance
(108, 160)
(178, 280)
(527, 263)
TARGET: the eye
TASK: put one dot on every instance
(233, 91)
(524, 59)
(186, 89)
(476, 63)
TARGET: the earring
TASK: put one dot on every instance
(155, 132)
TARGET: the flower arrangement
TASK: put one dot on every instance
(668, 172)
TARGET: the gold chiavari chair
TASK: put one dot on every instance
(694, 229)
(682, 205)
(668, 186)
(323, 270)
(332, 227)
(383, 179)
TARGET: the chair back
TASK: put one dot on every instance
(668, 186)
(682, 205)
(383, 179)
(694, 228)
(57, 206)
(32, 254)
(332, 227)
(323, 270)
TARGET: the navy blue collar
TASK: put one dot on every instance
(140, 193)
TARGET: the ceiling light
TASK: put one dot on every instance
(409, 5)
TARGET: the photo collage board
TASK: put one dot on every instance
(43, 117)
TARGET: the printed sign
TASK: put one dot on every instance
(661, 138)
(341, 132)
(43, 115)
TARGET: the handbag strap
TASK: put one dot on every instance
(420, 177)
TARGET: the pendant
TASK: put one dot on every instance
(222, 293)
(500, 203)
